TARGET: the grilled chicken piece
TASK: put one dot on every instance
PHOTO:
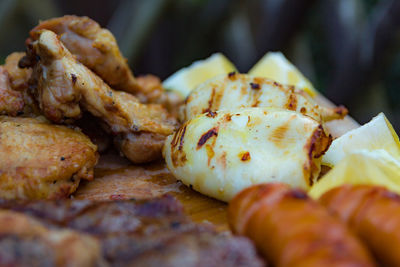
(138, 146)
(151, 90)
(11, 101)
(19, 81)
(39, 160)
(65, 86)
(142, 233)
(236, 90)
(97, 49)
(94, 46)
(24, 241)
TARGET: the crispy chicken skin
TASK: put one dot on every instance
(39, 160)
(151, 89)
(64, 86)
(137, 147)
(24, 241)
(291, 229)
(154, 93)
(19, 80)
(97, 49)
(11, 101)
(19, 77)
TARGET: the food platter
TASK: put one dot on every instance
(219, 170)
(117, 178)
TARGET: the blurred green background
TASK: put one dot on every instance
(349, 49)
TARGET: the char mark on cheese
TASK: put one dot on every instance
(211, 114)
(231, 75)
(181, 137)
(255, 86)
(203, 139)
(245, 156)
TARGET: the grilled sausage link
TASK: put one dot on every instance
(373, 213)
(290, 229)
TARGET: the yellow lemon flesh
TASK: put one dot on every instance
(376, 134)
(375, 167)
(186, 79)
(276, 67)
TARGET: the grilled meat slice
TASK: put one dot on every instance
(142, 233)
(24, 241)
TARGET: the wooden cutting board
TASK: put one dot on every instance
(116, 178)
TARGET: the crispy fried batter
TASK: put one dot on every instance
(40, 160)
(11, 101)
(65, 86)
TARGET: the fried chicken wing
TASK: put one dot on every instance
(97, 49)
(40, 160)
(11, 101)
(65, 86)
(24, 241)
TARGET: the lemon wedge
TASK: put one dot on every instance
(186, 79)
(376, 134)
(275, 66)
(375, 167)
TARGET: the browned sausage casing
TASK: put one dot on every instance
(290, 229)
(373, 213)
